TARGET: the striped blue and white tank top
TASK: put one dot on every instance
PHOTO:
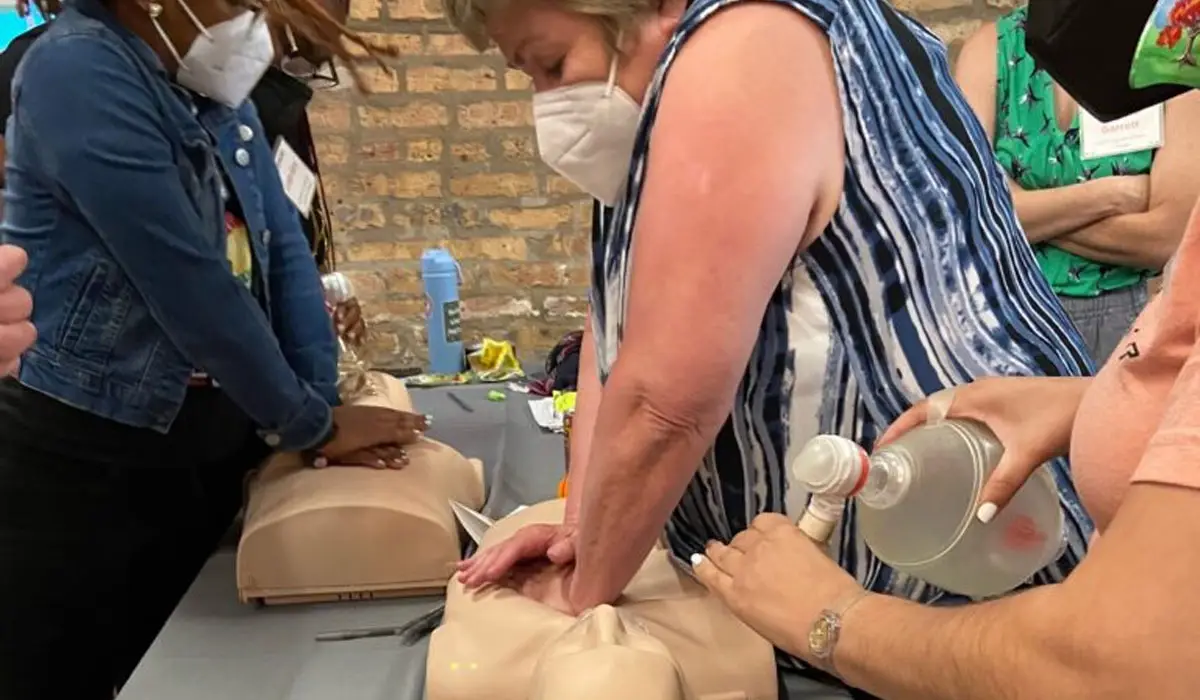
(922, 280)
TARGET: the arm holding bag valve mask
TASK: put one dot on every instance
(121, 175)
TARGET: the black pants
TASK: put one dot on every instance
(103, 527)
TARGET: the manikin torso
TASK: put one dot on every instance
(353, 532)
(666, 639)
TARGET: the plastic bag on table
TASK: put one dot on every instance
(354, 378)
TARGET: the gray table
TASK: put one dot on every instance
(215, 647)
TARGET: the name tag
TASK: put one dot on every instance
(299, 181)
(1140, 131)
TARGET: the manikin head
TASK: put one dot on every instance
(605, 655)
(590, 61)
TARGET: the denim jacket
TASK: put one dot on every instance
(114, 190)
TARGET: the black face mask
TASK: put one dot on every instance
(1087, 46)
(281, 101)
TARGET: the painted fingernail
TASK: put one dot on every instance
(986, 512)
(428, 420)
(696, 559)
(320, 462)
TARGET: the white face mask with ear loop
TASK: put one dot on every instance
(226, 60)
(585, 133)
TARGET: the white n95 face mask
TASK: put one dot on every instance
(585, 133)
(226, 60)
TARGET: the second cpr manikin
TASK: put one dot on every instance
(666, 639)
(356, 533)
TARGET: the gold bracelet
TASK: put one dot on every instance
(825, 631)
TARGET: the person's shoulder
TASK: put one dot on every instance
(981, 44)
(77, 46)
(72, 65)
(77, 72)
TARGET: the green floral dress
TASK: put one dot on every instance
(1039, 155)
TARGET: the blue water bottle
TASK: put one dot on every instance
(443, 313)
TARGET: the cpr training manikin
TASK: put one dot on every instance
(314, 535)
(354, 533)
(666, 639)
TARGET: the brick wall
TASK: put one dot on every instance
(443, 154)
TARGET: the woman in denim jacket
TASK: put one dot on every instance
(181, 329)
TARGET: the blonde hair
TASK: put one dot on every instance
(469, 16)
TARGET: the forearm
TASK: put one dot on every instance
(1146, 240)
(1047, 214)
(643, 459)
(583, 424)
(1010, 649)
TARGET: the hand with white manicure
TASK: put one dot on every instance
(1031, 416)
(370, 436)
(16, 332)
(776, 580)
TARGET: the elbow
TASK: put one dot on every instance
(1165, 227)
(1104, 657)
(1159, 252)
(674, 411)
(1114, 674)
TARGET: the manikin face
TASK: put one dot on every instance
(556, 48)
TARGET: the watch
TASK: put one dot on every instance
(824, 633)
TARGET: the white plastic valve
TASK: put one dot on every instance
(833, 469)
(831, 465)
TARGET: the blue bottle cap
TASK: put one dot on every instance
(437, 260)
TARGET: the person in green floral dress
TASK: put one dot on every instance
(1101, 227)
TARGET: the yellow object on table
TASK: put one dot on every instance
(492, 362)
(564, 402)
(495, 360)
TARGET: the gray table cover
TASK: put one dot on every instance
(215, 647)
